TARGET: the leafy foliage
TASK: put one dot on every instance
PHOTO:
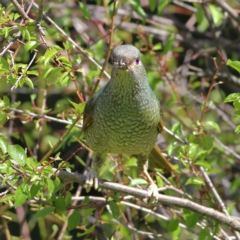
(47, 72)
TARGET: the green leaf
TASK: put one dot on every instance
(86, 231)
(152, 4)
(73, 220)
(169, 44)
(60, 204)
(206, 142)
(137, 181)
(213, 125)
(50, 186)
(115, 209)
(203, 164)
(161, 5)
(190, 217)
(68, 199)
(3, 117)
(30, 45)
(50, 53)
(44, 212)
(3, 145)
(217, 14)
(173, 225)
(33, 72)
(28, 82)
(157, 46)
(202, 20)
(234, 64)
(79, 107)
(138, 8)
(21, 194)
(195, 181)
(85, 11)
(193, 151)
(65, 61)
(34, 189)
(237, 130)
(232, 97)
(177, 128)
(18, 154)
(4, 63)
(205, 234)
(6, 101)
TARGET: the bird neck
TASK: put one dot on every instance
(127, 80)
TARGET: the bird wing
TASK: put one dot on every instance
(160, 124)
(89, 109)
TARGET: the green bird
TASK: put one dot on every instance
(124, 117)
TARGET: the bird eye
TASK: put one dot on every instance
(137, 60)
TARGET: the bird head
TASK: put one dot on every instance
(125, 57)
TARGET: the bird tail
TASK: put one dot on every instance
(157, 160)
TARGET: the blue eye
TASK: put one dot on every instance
(137, 60)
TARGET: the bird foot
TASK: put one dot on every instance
(91, 180)
(152, 194)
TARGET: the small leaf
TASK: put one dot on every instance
(217, 14)
(237, 130)
(115, 209)
(28, 82)
(169, 44)
(195, 181)
(3, 145)
(79, 107)
(206, 142)
(204, 164)
(73, 220)
(157, 46)
(18, 154)
(85, 11)
(30, 45)
(213, 125)
(173, 225)
(34, 189)
(152, 4)
(50, 187)
(205, 234)
(137, 181)
(177, 128)
(232, 97)
(190, 217)
(161, 5)
(234, 64)
(4, 63)
(21, 195)
(44, 212)
(193, 151)
(3, 118)
(6, 101)
(138, 8)
(86, 231)
(60, 204)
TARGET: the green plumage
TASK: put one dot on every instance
(124, 116)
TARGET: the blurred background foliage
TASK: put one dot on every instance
(185, 46)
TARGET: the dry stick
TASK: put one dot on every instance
(109, 49)
(168, 200)
(20, 9)
(214, 83)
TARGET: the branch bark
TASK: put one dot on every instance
(168, 200)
